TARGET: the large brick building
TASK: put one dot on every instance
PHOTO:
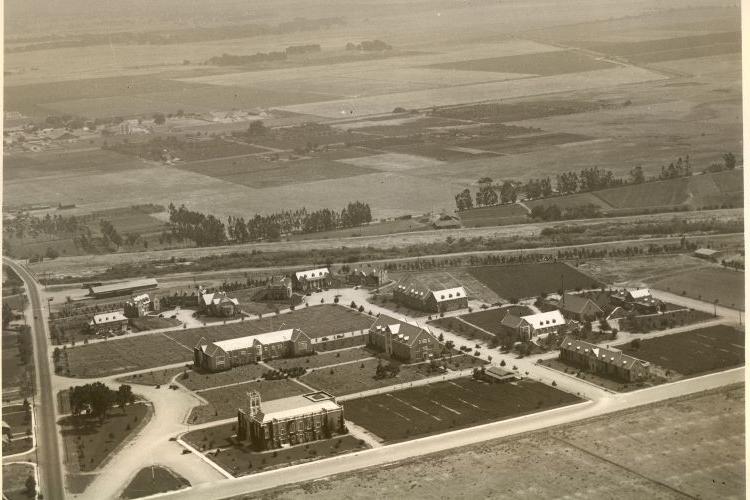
(218, 304)
(414, 294)
(225, 354)
(138, 306)
(289, 421)
(312, 280)
(403, 341)
(579, 308)
(532, 325)
(601, 361)
(113, 322)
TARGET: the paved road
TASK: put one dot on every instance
(50, 462)
(463, 437)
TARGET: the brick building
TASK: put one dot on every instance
(225, 354)
(290, 421)
(414, 294)
(218, 304)
(278, 288)
(579, 308)
(112, 322)
(532, 325)
(138, 306)
(404, 341)
(312, 279)
(601, 361)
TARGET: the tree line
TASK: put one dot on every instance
(278, 55)
(96, 399)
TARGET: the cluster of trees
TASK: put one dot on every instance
(487, 195)
(258, 57)
(729, 162)
(25, 348)
(680, 168)
(731, 264)
(282, 373)
(109, 233)
(96, 399)
(369, 46)
(553, 212)
(388, 370)
(588, 179)
(204, 230)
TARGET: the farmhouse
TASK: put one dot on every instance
(533, 325)
(225, 354)
(415, 295)
(295, 420)
(310, 280)
(601, 361)
(124, 288)
(579, 308)
(138, 306)
(403, 341)
(218, 304)
(108, 323)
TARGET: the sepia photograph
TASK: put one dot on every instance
(373, 249)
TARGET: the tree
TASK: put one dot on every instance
(30, 485)
(508, 192)
(636, 175)
(124, 396)
(160, 119)
(729, 161)
(464, 201)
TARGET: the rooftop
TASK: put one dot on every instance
(545, 319)
(125, 286)
(313, 273)
(109, 317)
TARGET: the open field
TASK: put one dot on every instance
(694, 445)
(530, 280)
(693, 352)
(429, 409)
(223, 402)
(323, 359)
(557, 62)
(358, 377)
(52, 165)
(642, 270)
(152, 480)
(494, 216)
(241, 459)
(155, 377)
(708, 284)
(198, 380)
(17, 445)
(14, 480)
(17, 376)
(88, 442)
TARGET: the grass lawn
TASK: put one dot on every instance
(490, 319)
(77, 483)
(438, 407)
(608, 383)
(14, 481)
(155, 377)
(197, 381)
(152, 323)
(16, 417)
(152, 480)
(87, 442)
(530, 280)
(693, 352)
(18, 445)
(224, 402)
(494, 216)
(468, 331)
(241, 460)
(357, 377)
(323, 359)
(708, 284)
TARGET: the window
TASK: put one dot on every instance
(292, 427)
(317, 424)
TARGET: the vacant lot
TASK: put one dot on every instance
(17, 377)
(708, 284)
(241, 459)
(441, 406)
(152, 480)
(541, 63)
(494, 216)
(695, 445)
(357, 377)
(87, 441)
(694, 352)
(14, 481)
(224, 402)
(323, 359)
(530, 280)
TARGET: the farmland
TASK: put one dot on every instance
(530, 280)
(542, 63)
(708, 284)
(223, 402)
(695, 444)
(423, 410)
(693, 352)
(494, 216)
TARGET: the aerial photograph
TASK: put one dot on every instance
(373, 249)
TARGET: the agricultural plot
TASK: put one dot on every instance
(708, 284)
(124, 355)
(152, 480)
(501, 112)
(571, 201)
(651, 194)
(541, 63)
(441, 151)
(494, 216)
(55, 164)
(259, 173)
(358, 377)
(223, 402)
(527, 143)
(529, 280)
(323, 359)
(392, 162)
(433, 408)
(693, 352)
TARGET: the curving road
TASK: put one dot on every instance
(50, 462)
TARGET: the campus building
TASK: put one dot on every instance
(403, 341)
(289, 421)
(415, 295)
(278, 288)
(639, 300)
(311, 280)
(218, 304)
(533, 325)
(579, 308)
(138, 306)
(113, 322)
(607, 362)
(124, 288)
(225, 354)
(366, 275)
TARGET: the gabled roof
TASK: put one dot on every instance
(577, 304)
(316, 407)
(127, 285)
(318, 273)
(141, 298)
(612, 357)
(544, 320)
(449, 294)
(401, 331)
(640, 293)
(706, 252)
(108, 317)
(511, 321)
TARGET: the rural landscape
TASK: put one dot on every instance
(405, 248)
